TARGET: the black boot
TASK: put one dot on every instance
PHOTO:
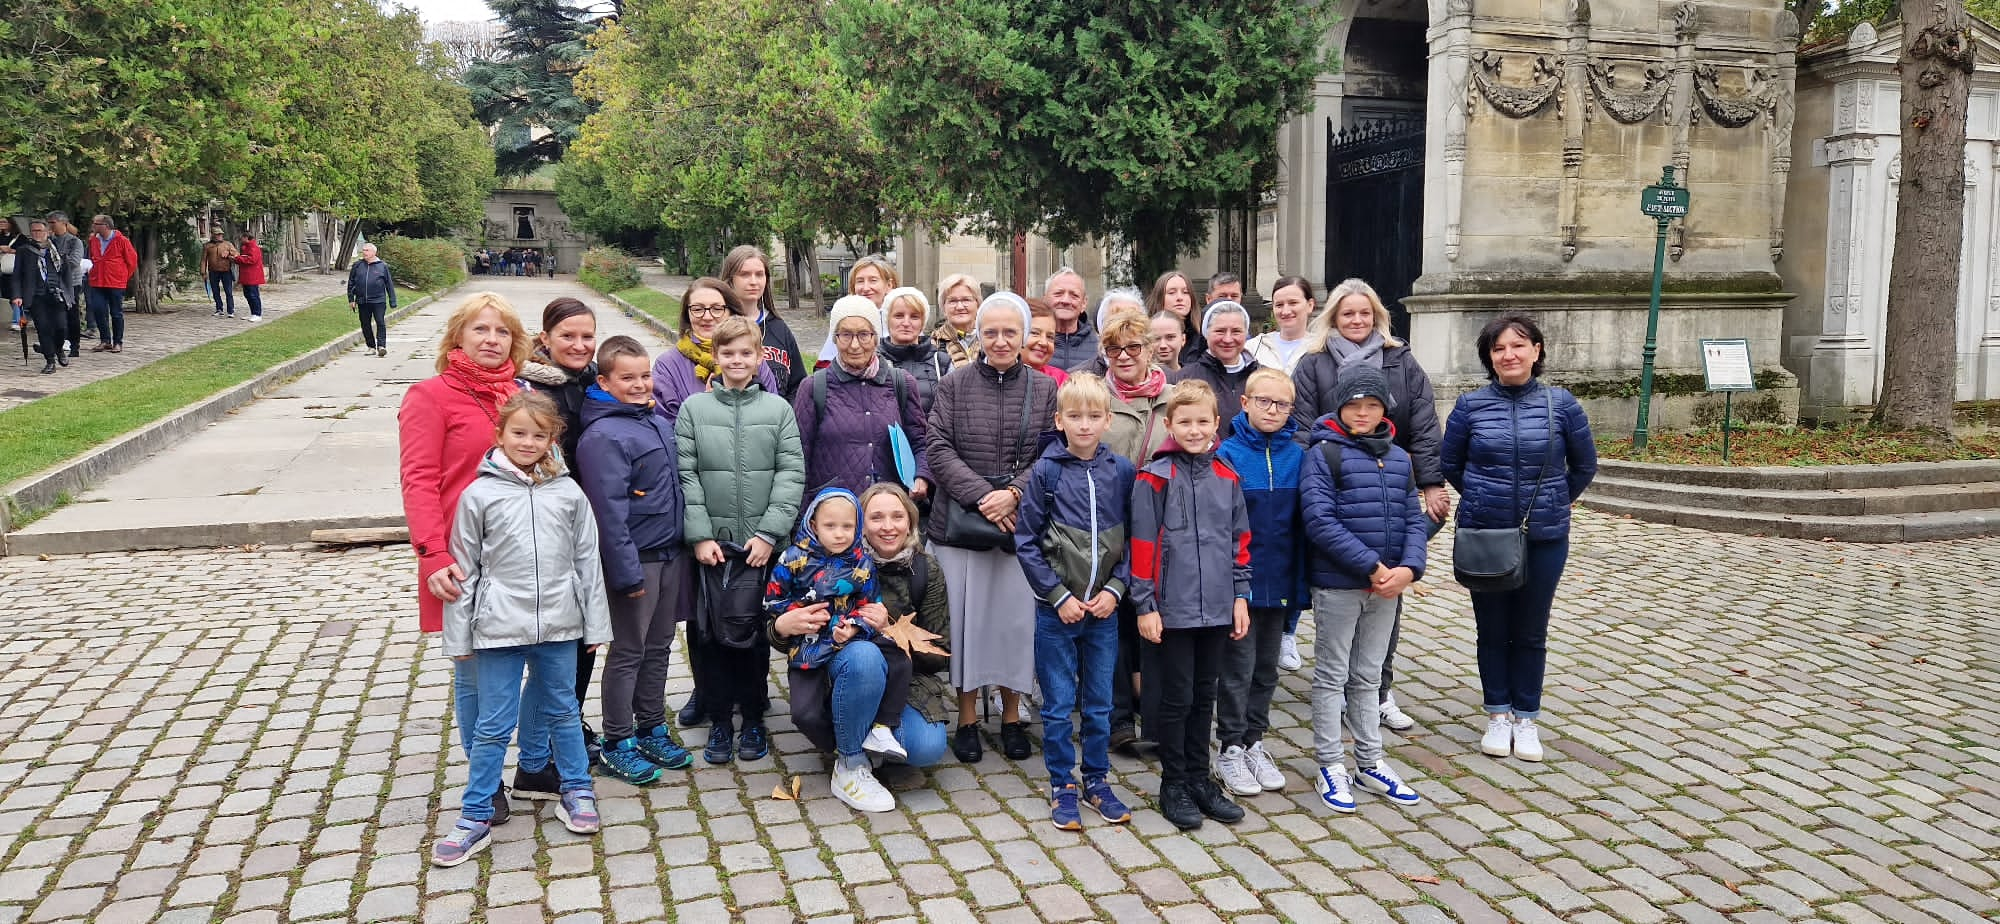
(1208, 798)
(1014, 740)
(1177, 805)
(694, 713)
(966, 745)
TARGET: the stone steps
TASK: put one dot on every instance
(1905, 502)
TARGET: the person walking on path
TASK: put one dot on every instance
(219, 257)
(40, 291)
(113, 260)
(1520, 453)
(12, 241)
(371, 290)
(62, 235)
(250, 274)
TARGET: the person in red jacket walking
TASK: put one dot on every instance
(112, 263)
(250, 275)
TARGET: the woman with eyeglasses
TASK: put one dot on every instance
(957, 334)
(686, 369)
(846, 410)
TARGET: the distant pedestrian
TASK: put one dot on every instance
(371, 290)
(11, 241)
(70, 247)
(113, 260)
(219, 257)
(40, 291)
(250, 260)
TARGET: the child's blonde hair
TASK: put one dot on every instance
(735, 328)
(1083, 391)
(542, 411)
(1267, 375)
(895, 492)
(1191, 393)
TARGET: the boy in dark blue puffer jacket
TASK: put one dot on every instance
(1367, 528)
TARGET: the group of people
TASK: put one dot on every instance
(51, 276)
(1127, 511)
(228, 266)
(514, 261)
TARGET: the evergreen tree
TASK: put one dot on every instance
(527, 94)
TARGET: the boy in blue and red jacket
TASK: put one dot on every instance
(1367, 528)
(1261, 450)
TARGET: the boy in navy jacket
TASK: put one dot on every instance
(1261, 450)
(628, 465)
(1367, 528)
(1071, 538)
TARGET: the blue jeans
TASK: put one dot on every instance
(551, 668)
(255, 296)
(222, 284)
(535, 747)
(107, 314)
(858, 675)
(1073, 664)
(1514, 633)
(924, 741)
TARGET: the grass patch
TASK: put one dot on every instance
(663, 308)
(1798, 446)
(55, 429)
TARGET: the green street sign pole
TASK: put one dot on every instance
(1663, 203)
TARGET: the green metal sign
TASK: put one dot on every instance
(1664, 202)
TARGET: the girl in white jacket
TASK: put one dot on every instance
(533, 586)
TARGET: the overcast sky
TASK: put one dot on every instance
(449, 10)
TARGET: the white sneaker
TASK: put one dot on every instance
(1383, 781)
(1394, 716)
(855, 784)
(1233, 768)
(1288, 653)
(1333, 789)
(883, 741)
(1264, 768)
(1527, 740)
(1499, 738)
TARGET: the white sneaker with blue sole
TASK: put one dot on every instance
(1333, 791)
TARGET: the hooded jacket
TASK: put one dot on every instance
(529, 552)
(1078, 348)
(1412, 404)
(849, 447)
(1228, 385)
(1072, 530)
(1499, 440)
(1190, 540)
(924, 360)
(742, 472)
(112, 262)
(371, 283)
(806, 573)
(1269, 466)
(674, 382)
(975, 430)
(628, 465)
(251, 261)
(1368, 513)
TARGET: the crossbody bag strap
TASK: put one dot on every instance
(1535, 490)
(1027, 418)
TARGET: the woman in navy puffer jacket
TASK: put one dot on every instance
(1517, 448)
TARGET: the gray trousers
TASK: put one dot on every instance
(642, 635)
(1350, 642)
(1249, 677)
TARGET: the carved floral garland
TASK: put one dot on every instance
(1635, 105)
(1517, 102)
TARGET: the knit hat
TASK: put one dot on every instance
(1225, 306)
(1360, 380)
(909, 292)
(854, 306)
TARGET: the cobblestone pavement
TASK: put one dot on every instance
(183, 325)
(1744, 729)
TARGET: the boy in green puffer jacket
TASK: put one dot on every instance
(744, 474)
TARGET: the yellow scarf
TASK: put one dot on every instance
(701, 354)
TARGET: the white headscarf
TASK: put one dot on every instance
(1002, 301)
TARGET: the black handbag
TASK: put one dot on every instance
(1490, 560)
(962, 526)
(729, 599)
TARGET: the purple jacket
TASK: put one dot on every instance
(850, 448)
(674, 381)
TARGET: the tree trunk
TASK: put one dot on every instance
(146, 279)
(794, 270)
(348, 236)
(1155, 241)
(1920, 346)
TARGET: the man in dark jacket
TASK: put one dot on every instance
(1076, 338)
(40, 289)
(371, 290)
(69, 247)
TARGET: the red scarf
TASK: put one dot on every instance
(1148, 387)
(489, 387)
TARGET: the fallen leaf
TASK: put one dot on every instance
(1432, 880)
(782, 794)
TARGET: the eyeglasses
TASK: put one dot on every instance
(707, 311)
(1270, 404)
(1130, 349)
(961, 300)
(854, 336)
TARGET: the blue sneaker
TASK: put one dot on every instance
(1332, 785)
(621, 758)
(1100, 797)
(659, 746)
(467, 839)
(578, 811)
(1062, 808)
(721, 747)
(1384, 781)
(753, 742)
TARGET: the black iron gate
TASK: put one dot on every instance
(1375, 208)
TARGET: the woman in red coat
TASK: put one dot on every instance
(250, 274)
(445, 428)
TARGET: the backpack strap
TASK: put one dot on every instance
(920, 579)
(1331, 450)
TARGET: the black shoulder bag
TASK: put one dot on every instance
(1491, 560)
(963, 526)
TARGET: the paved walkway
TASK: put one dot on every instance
(321, 450)
(183, 325)
(1744, 729)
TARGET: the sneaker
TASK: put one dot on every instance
(1062, 809)
(721, 747)
(1384, 782)
(883, 741)
(254, 318)
(1177, 806)
(659, 746)
(381, 351)
(621, 758)
(753, 743)
(1527, 740)
(1014, 740)
(855, 784)
(466, 840)
(232, 316)
(692, 715)
(1209, 799)
(591, 745)
(578, 811)
(1288, 653)
(1499, 738)
(965, 744)
(218, 312)
(1265, 769)
(1394, 716)
(1333, 791)
(1098, 795)
(544, 784)
(1232, 766)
